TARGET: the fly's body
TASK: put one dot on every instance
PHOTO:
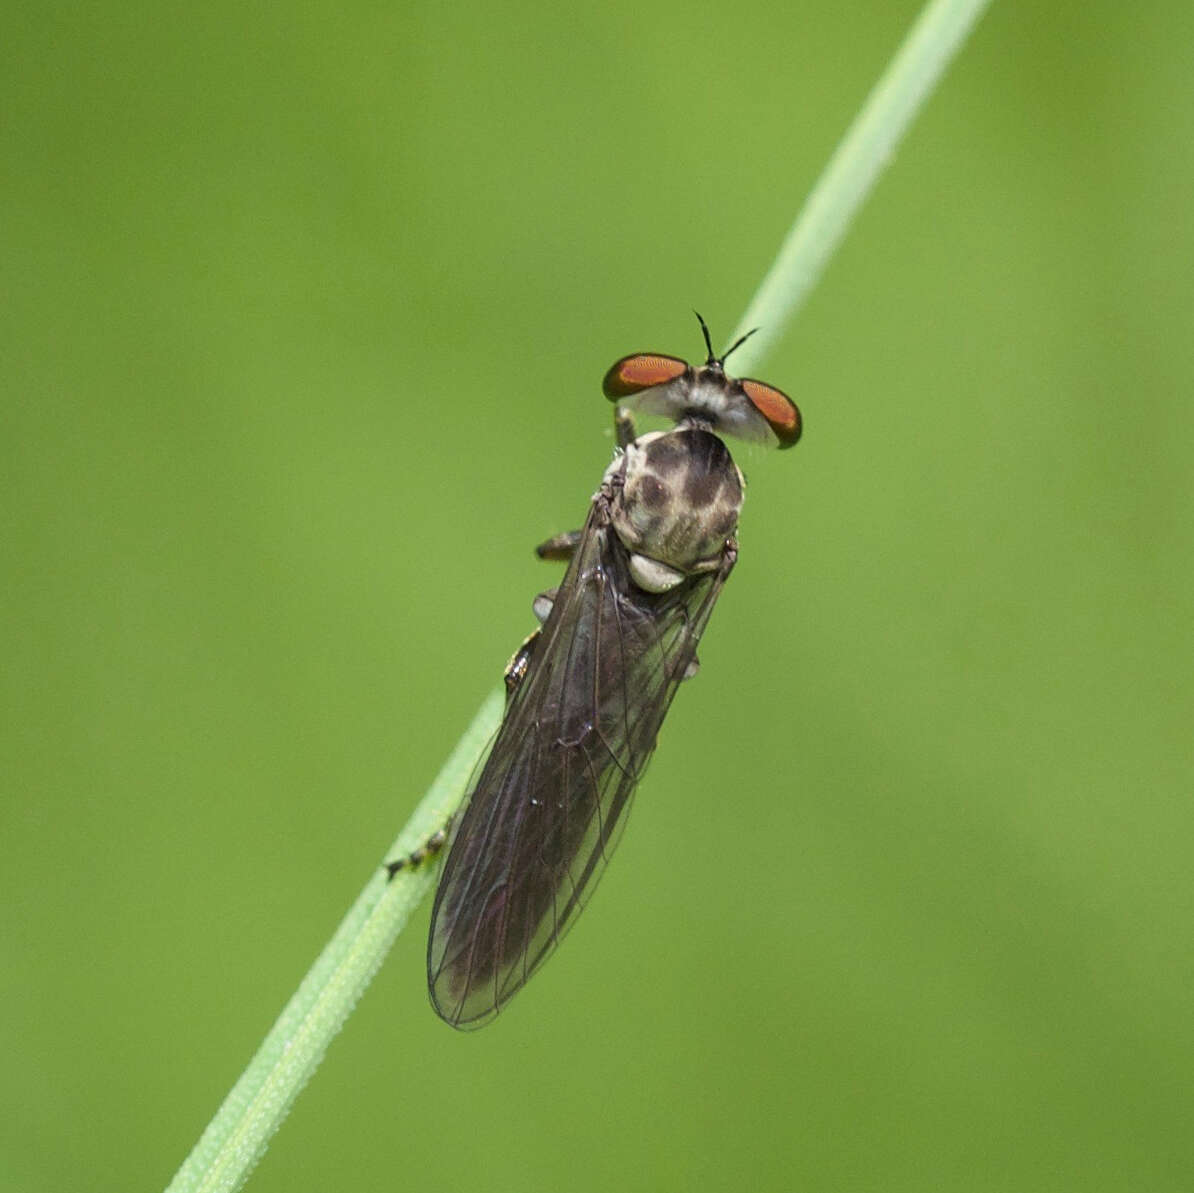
(588, 692)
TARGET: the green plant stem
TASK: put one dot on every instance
(852, 171)
(239, 1134)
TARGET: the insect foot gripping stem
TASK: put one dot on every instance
(429, 849)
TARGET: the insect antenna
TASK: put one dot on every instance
(713, 358)
(738, 343)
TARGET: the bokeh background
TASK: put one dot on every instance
(305, 310)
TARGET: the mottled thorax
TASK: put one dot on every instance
(680, 499)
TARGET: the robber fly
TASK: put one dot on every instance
(588, 691)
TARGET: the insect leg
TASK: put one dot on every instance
(520, 660)
(729, 556)
(625, 431)
(429, 849)
(560, 546)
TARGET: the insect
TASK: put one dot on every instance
(588, 691)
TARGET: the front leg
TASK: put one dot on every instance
(625, 432)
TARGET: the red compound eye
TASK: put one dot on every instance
(642, 371)
(777, 408)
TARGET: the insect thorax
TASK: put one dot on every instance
(679, 502)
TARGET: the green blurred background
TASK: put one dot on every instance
(304, 315)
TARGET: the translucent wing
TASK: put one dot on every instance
(551, 801)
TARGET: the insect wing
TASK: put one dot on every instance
(551, 800)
